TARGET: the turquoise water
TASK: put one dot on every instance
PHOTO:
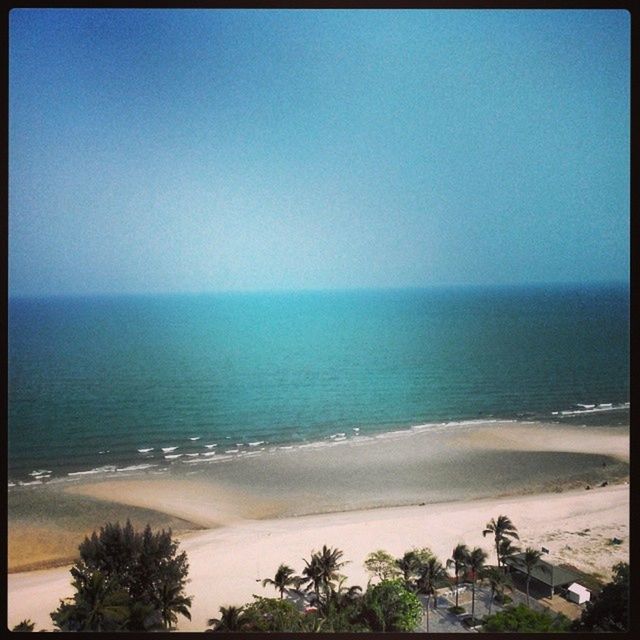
(92, 380)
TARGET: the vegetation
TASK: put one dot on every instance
(432, 575)
(25, 625)
(529, 561)
(391, 606)
(382, 565)
(521, 619)
(502, 529)
(321, 571)
(498, 582)
(609, 610)
(459, 560)
(410, 565)
(475, 564)
(285, 577)
(126, 581)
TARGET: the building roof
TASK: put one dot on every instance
(545, 572)
(578, 588)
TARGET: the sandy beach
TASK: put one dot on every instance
(249, 528)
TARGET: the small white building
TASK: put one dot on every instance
(577, 593)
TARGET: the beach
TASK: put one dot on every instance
(420, 488)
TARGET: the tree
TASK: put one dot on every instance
(284, 578)
(609, 610)
(145, 566)
(321, 571)
(507, 549)
(500, 528)
(459, 558)
(475, 564)
(498, 582)
(99, 604)
(390, 606)
(269, 615)
(521, 619)
(25, 625)
(432, 573)
(381, 565)
(231, 619)
(529, 561)
(410, 564)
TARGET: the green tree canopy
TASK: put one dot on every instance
(141, 571)
(390, 606)
(521, 619)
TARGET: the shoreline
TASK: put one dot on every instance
(472, 462)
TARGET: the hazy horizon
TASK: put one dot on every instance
(203, 151)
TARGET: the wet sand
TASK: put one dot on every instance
(445, 464)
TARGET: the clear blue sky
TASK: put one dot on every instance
(201, 150)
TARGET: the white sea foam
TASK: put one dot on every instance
(210, 446)
(209, 453)
(136, 467)
(40, 472)
(192, 455)
(232, 450)
(173, 456)
(106, 469)
(195, 438)
(145, 450)
(168, 449)
(256, 444)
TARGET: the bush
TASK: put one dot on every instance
(126, 581)
(390, 606)
(456, 610)
(521, 619)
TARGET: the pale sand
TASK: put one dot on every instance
(226, 562)
(454, 470)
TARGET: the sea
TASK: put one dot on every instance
(128, 383)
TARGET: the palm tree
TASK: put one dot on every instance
(501, 528)
(410, 564)
(322, 570)
(99, 604)
(231, 619)
(459, 558)
(171, 602)
(381, 564)
(529, 560)
(475, 563)
(284, 578)
(507, 550)
(498, 581)
(24, 625)
(431, 573)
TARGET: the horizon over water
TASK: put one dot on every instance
(93, 379)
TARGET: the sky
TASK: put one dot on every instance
(216, 150)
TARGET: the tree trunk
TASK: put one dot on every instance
(456, 587)
(473, 600)
(428, 598)
(528, 580)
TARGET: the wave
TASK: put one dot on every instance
(106, 469)
(145, 450)
(592, 408)
(136, 467)
(173, 456)
(210, 446)
(256, 444)
(195, 438)
(168, 449)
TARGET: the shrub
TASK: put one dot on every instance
(390, 606)
(456, 610)
(522, 619)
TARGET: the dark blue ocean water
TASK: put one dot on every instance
(116, 374)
